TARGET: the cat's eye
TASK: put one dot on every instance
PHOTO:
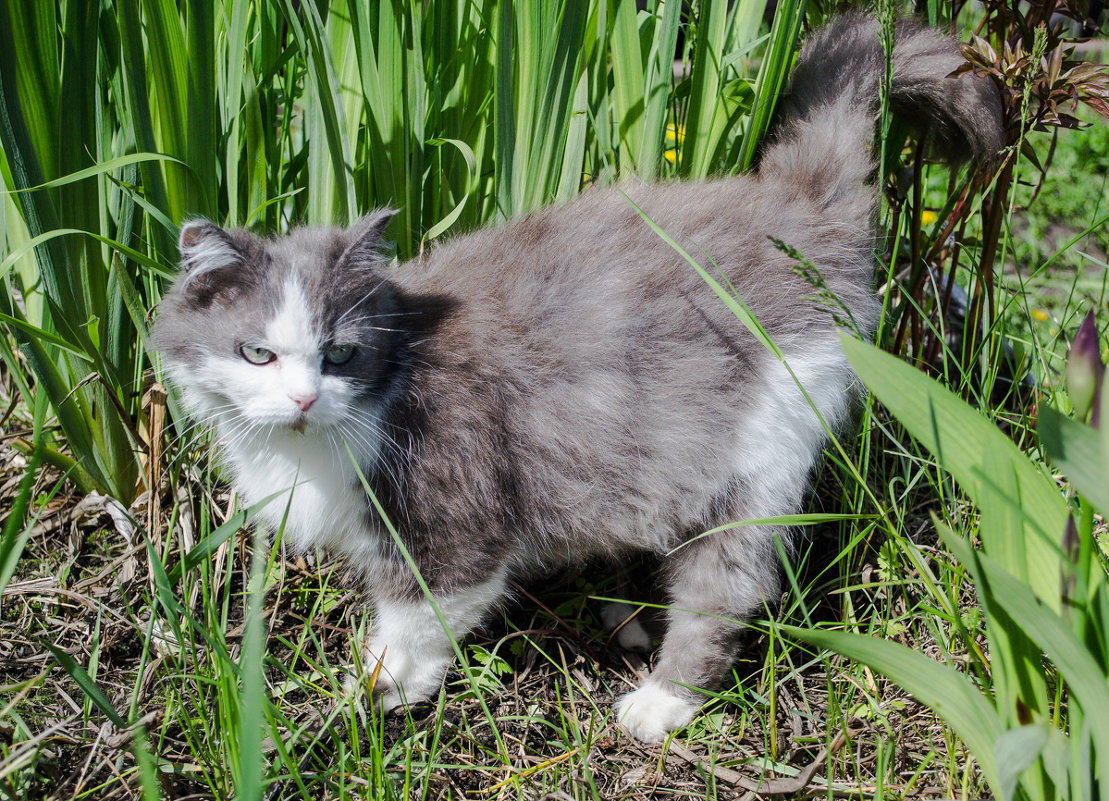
(257, 355)
(338, 354)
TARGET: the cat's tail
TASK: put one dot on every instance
(822, 142)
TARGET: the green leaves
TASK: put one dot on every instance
(539, 61)
(985, 463)
(1081, 452)
(1043, 595)
(772, 75)
(116, 124)
(948, 692)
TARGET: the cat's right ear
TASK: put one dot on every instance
(206, 247)
(366, 238)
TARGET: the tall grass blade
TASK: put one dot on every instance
(253, 702)
(330, 193)
(17, 529)
(138, 110)
(86, 683)
(629, 82)
(703, 112)
(168, 70)
(773, 74)
(203, 132)
(657, 88)
(1080, 452)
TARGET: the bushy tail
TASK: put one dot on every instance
(822, 142)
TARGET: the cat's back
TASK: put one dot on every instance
(596, 262)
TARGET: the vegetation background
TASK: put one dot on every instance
(945, 629)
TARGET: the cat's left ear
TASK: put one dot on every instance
(206, 247)
(366, 237)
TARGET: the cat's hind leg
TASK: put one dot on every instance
(715, 583)
(621, 618)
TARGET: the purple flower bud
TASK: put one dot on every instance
(1084, 372)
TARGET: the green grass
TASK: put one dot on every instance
(181, 657)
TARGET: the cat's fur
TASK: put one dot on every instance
(565, 385)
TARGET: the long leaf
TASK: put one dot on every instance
(100, 168)
(961, 438)
(169, 73)
(1081, 452)
(16, 531)
(628, 80)
(773, 73)
(657, 87)
(86, 683)
(703, 111)
(329, 194)
(1087, 682)
(73, 419)
(252, 707)
(939, 687)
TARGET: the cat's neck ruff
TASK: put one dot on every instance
(316, 495)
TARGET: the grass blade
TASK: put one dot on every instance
(16, 531)
(961, 438)
(85, 682)
(773, 74)
(701, 116)
(1079, 452)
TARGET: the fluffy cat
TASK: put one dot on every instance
(565, 385)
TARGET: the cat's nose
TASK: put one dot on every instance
(304, 402)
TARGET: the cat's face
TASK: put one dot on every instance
(291, 334)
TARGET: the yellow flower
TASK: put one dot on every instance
(927, 217)
(1039, 315)
(675, 135)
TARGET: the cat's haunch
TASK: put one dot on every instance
(565, 385)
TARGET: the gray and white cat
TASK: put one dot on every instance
(565, 385)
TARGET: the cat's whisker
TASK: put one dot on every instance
(380, 464)
(200, 426)
(363, 324)
(370, 437)
(372, 316)
(342, 318)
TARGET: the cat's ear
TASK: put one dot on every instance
(206, 247)
(366, 238)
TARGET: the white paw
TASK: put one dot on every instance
(411, 640)
(653, 711)
(403, 680)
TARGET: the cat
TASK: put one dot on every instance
(565, 385)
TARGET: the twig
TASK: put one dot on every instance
(787, 786)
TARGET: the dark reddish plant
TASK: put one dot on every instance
(1030, 54)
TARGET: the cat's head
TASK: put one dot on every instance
(287, 333)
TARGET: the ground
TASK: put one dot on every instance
(545, 670)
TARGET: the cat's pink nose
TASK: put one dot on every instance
(304, 402)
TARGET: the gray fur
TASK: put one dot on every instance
(566, 386)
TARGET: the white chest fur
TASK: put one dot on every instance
(319, 499)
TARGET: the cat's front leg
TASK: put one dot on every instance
(411, 639)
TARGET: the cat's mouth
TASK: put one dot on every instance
(300, 424)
